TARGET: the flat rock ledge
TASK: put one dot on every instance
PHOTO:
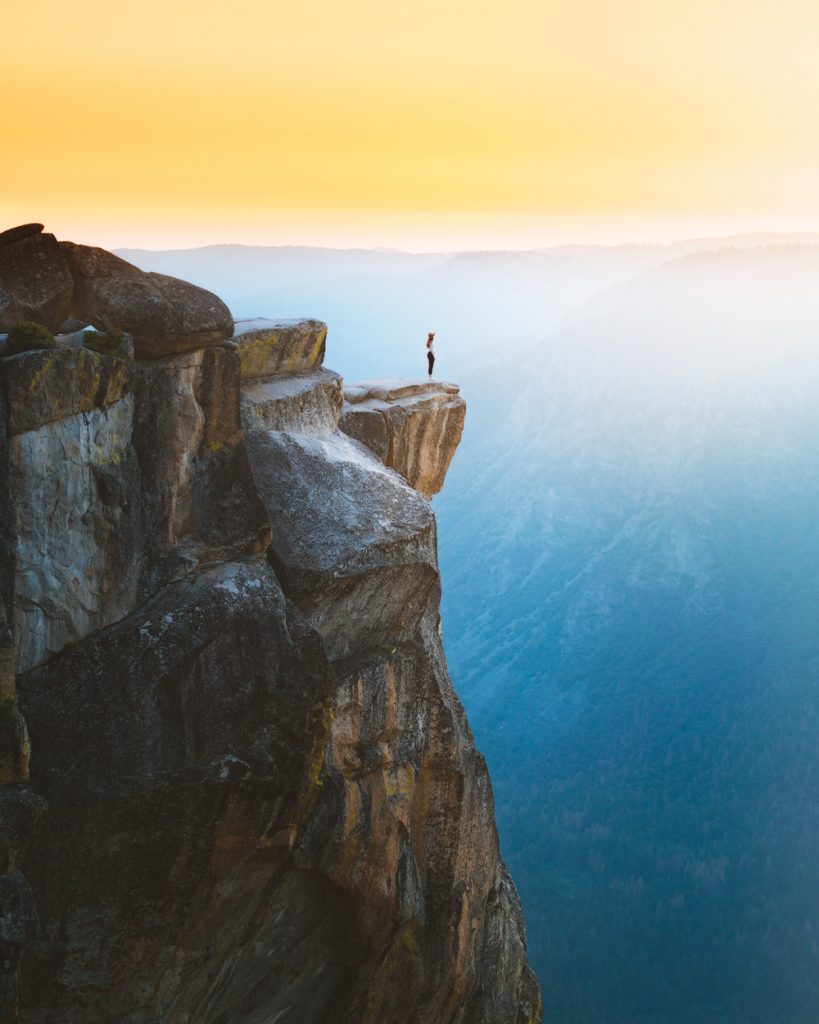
(305, 403)
(413, 427)
(269, 347)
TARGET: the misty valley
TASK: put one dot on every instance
(630, 562)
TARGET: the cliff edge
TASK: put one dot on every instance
(238, 786)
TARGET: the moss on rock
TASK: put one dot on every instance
(27, 336)
(113, 342)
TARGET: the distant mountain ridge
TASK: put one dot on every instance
(484, 306)
(630, 607)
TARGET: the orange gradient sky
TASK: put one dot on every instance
(418, 125)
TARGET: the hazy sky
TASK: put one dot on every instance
(424, 123)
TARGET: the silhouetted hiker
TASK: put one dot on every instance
(431, 351)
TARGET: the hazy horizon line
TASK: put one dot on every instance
(412, 232)
(809, 236)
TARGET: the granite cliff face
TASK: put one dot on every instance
(239, 787)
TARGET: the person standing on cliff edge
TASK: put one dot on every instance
(431, 351)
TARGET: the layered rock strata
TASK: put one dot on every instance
(254, 795)
(414, 428)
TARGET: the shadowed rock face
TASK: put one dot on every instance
(35, 280)
(48, 281)
(164, 315)
(254, 795)
(179, 754)
(413, 428)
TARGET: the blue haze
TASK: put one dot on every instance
(630, 556)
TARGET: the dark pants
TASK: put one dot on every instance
(431, 361)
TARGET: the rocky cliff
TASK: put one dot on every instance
(238, 786)
(414, 428)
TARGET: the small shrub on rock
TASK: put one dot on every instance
(28, 335)
(106, 343)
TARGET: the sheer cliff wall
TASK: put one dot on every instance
(238, 784)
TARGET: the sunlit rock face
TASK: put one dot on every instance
(180, 754)
(405, 826)
(415, 428)
(268, 347)
(120, 477)
(253, 793)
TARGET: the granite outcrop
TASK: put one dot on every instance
(237, 785)
(58, 283)
(414, 428)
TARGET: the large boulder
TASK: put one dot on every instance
(35, 280)
(12, 235)
(164, 315)
(353, 545)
